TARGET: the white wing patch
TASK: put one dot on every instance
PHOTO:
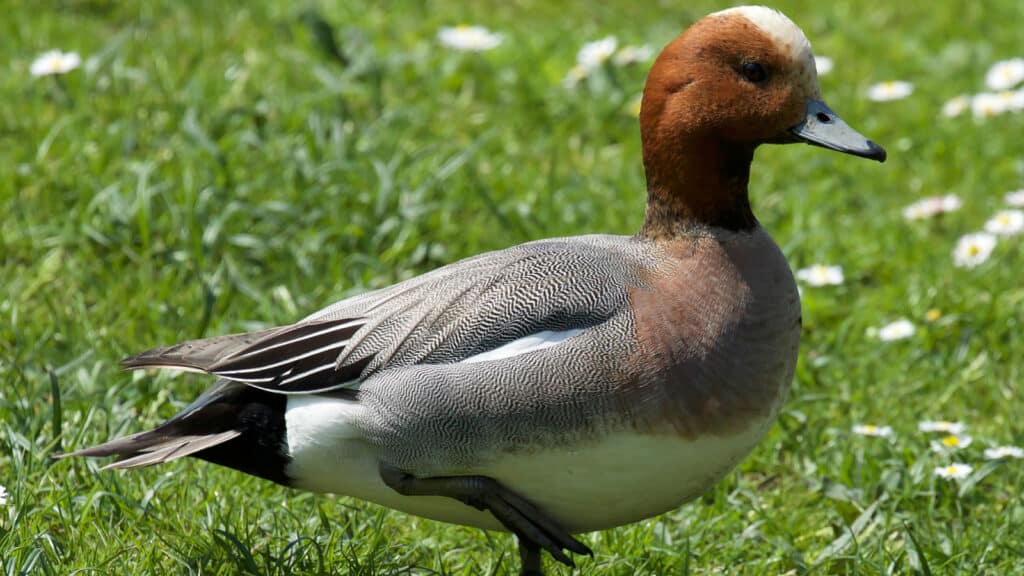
(531, 343)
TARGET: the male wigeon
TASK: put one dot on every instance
(562, 385)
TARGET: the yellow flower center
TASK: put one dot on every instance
(973, 250)
(933, 314)
(951, 441)
(951, 470)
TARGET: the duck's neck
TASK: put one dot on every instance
(698, 186)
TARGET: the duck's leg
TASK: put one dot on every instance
(529, 558)
(534, 529)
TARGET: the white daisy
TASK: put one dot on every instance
(633, 55)
(956, 106)
(954, 471)
(892, 90)
(1010, 100)
(951, 443)
(823, 64)
(899, 330)
(944, 426)
(932, 206)
(468, 38)
(55, 62)
(973, 249)
(575, 75)
(1005, 74)
(987, 104)
(1003, 452)
(1017, 100)
(821, 275)
(1015, 197)
(1006, 223)
(3, 496)
(594, 54)
(872, 430)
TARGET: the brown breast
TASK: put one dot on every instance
(718, 330)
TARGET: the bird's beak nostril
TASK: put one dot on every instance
(823, 127)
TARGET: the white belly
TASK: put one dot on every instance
(620, 479)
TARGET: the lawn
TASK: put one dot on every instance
(216, 167)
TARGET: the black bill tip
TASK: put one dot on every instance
(877, 152)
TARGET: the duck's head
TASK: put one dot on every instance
(732, 81)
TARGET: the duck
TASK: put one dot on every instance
(563, 385)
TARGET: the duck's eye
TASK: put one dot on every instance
(754, 72)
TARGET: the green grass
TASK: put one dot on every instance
(214, 168)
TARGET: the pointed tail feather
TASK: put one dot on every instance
(152, 447)
(231, 424)
(238, 422)
(172, 449)
(126, 445)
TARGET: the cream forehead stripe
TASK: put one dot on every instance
(786, 35)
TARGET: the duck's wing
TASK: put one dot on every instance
(299, 357)
(454, 313)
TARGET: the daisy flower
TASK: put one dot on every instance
(823, 64)
(872, 430)
(574, 76)
(973, 249)
(956, 106)
(944, 426)
(987, 104)
(821, 275)
(468, 38)
(1005, 74)
(1003, 452)
(1015, 198)
(932, 206)
(892, 90)
(898, 330)
(633, 55)
(55, 62)
(951, 443)
(1011, 101)
(1016, 100)
(954, 471)
(594, 54)
(1006, 223)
